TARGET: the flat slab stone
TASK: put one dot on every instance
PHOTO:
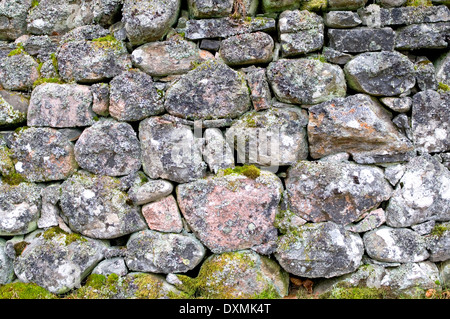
(422, 36)
(363, 39)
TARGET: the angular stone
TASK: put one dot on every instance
(273, 137)
(397, 104)
(174, 56)
(151, 251)
(361, 39)
(50, 210)
(431, 121)
(114, 265)
(13, 108)
(163, 215)
(341, 19)
(211, 91)
(380, 73)
(426, 74)
(210, 45)
(226, 27)
(94, 206)
(230, 212)
(100, 98)
(346, 4)
(305, 81)
(334, 56)
(6, 265)
(134, 97)
(443, 69)
(279, 5)
(393, 173)
(422, 36)
(300, 32)
(337, 192)
(372, 220)
(422, 194)
(319, 250)
(199, 9)
(390, 3)
(170, 151)
(149, 191)
(13, 18)
(395, 245)
(18, 72)
(444, 273)
(217, 153)
(60, 105)
(92, 61)
(105, 12)
(58, 261)
(20, 207)
(149, 20)
(439, 243)
(358, 125)
(42, 154)
(247, 48)
(424, 228)
(109, 148)
(260, 93)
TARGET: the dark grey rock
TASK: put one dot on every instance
(334, 56)
(260, 93)
(443, 69)
(247, 48)
(100, 98)
(361, 39)
(426, 74)
(341, 19)
(422, 36)
(210, 45)
(439, 244)
(13, 108)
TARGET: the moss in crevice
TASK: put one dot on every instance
(108, 42)
(443, 87)
(19, 50)
(419, 3)
(57, 232)
(19, 290)
(250, 171)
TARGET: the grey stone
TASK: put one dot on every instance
(430, 121)
(422, 36)
(380, 73)
(18, 72)
(100, 98)
(444, 273)
(334, 56)
(210, 45)
(390, 3)
(439, 244)
(49, 210)
(372, 220)
(85, 32)
(13, 18)
(213, 90)
(114, 265)
(260, 93)
(217, 152)
(270, 138)
(397, 104)
(426, 74)
(226, 27)
(199, 9)
(279, 5)
(361, 39)
(6, 265)
(170, 151)
(341, 124)
(341, 19)
(41, 46)
(109, 148)
(13, 108)
(443, 69)
(305, 81)
(402, 121)
(151, 251)
(20, 207)
(421, 195)
(345, 4)
(336, 158)
(320, 250)
(58, 262)
(394, 172)
(149, 191)
(331, 191)
(424, 228)
(94, 206)
(247, 48)
(133, 96)
(60, 105)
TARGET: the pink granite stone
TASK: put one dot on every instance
(163, 215)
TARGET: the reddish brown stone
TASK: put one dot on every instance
(163, 215)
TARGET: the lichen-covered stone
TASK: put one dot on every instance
(426, 78)
(337, 192)
(163, 215)
(109, 148)
(60, 105)
(341, 19)
(372, 220)
(18, 71)
(272, 137)
(260, 93)
(397, 104)
(100, 98)
(247, 48)
(422, 36)
(217, 153)
(94, 206)
(380, 73)
(92, 61)
(50, 210)
(13, 108)
(110, 266)
(149, 20)
(6, 265)
(438, 243)
(430, 121)
(357, 124)
(213, 90)
(133, 96)
(395, 245)
(199, 9)
(443, 69)
(170, 151)
(345, 4)
(174, 56)
(231, 212)
(148, 191)
(334, 56)
(20, 207)
(58, 261)
(305, 81)
(13, 18)
(320, 250)
(156, 252)
(422, 194)
(42, 154)
(361, 39)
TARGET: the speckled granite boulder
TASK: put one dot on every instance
(13, 17)
(13, 108)
(18, 71)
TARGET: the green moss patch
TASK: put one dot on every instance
(21, 290)
(419, 3)
(249, 171)
(19, 50)
(58, 232)
(108, 42)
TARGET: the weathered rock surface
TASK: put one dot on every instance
(380, 73)
(395, 245)
(361, 39)
(60, 105)
(337, 192)
(260, 93)
(341, 19)
(320, 250)
(397, 104)
(20, 207)
(217, 153)
(100, 98)
(359, 125)
(346, 4)
(230, 212)
(133, 96)
(170, 151)
(372, 220)
(6, 265)
(58, 261)
(439, 244)
(443, 69)
(109, 148)
(422, 36)
(149, 190)
(211, 91)
(430, 121)
(114, 265)
(13, 108)
(163, 215)
(18, 72)
(305, 81)
(13, 17)
(272, 137)
(95, 207)
(199, 9)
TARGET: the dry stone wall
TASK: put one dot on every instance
(215, 149)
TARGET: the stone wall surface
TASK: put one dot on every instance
(225, 148)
